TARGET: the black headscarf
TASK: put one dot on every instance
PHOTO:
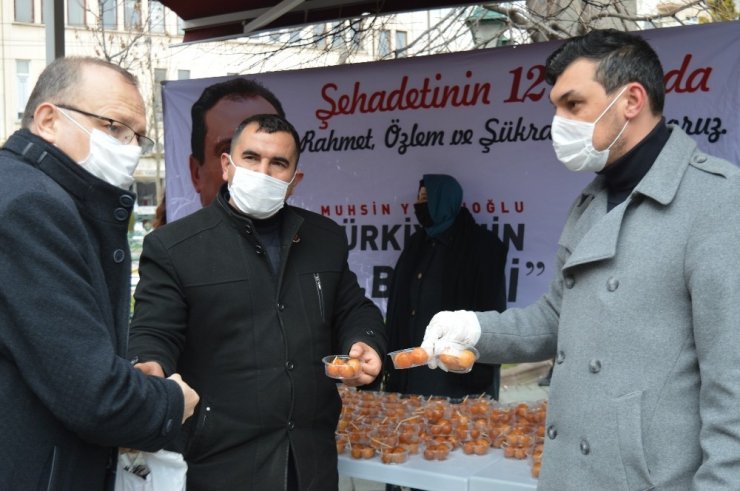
(444, 199)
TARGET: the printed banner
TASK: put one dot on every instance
(370, 131)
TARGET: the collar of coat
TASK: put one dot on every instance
(100, 200)
(664, 177)
(591, 233)
(290, 220)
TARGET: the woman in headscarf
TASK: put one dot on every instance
(451, 263)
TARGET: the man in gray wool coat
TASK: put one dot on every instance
(642, 316)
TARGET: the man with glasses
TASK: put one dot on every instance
(112, 156)
(68, 395)
(118, 130)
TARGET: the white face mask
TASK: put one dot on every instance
(256, 194)
(109, 159)
(573, 142)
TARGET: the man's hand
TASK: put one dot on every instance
(370, 366)
(191, 397)
(450, 329)
(150, 368)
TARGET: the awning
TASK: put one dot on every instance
(227, 19)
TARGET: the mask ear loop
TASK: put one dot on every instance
(625, 124)
(290, 183)
(73, 120)
(620, 134)
(610, 104)
(85, 130)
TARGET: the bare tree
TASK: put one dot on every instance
(345, 42)
(457, 29)
(111, 43)
(544, 20)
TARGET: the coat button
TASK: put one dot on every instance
(289, 365)
(594, 366)
(259, 250)
(291, 425)
(167, 427)
(413, 312)
(126, 200)
(552, 432)
(585, 447)
(418, 276)
(118, 256)
(560, 358)
(248, 229)
(281, 307)
(370, 332)
(120, 214)
(699, 159)
(570, 282)
(612, 284)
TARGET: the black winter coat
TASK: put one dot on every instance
(250, 342)
(68, 397)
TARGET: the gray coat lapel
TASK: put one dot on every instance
(662, 181)
(600, 241)
(594, 234)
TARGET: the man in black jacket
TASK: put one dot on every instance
(451, 263)
(68, 397)
(244, 297)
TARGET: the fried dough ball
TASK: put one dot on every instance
(460, 362)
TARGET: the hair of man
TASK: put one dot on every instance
(622, 58)
(60, 80)
(234, 89)
(269, 123)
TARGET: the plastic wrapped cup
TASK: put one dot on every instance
(342, 367)
(478, 446)
(457, 359)
(409, 357)
(361, 451)
(394, 455)
(436, 451)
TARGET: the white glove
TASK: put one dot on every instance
(459, 329)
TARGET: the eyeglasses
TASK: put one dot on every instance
(120, 131)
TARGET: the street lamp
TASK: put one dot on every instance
(487, 27)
